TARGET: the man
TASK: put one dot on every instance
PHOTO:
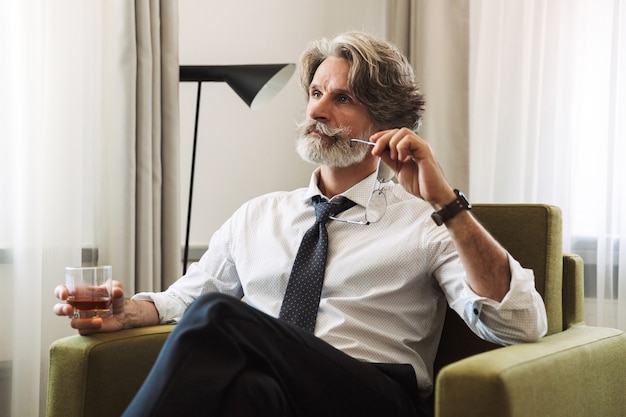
(370, 346)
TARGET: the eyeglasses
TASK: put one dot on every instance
(377, 204)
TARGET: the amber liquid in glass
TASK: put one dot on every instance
(90, 303)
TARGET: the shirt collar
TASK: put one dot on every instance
(359, 193)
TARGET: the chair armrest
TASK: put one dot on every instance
(578, 372)
(98, 375)
(573, 290)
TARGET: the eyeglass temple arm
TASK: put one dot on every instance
(365, 142)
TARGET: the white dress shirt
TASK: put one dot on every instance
(386, 283)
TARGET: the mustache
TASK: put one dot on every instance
(307, 127)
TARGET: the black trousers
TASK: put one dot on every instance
(226, 358)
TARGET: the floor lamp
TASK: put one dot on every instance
(255, 84)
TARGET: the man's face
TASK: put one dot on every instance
(333, 117)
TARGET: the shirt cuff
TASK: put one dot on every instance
(520, 315)
(169, 308)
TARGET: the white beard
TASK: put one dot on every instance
(332, 149)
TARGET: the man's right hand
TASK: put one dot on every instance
(85, 326)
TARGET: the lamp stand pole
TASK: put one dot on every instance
(254, 84)
(193, 169)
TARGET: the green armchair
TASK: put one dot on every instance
(576, 370)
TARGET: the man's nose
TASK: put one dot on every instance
(319, 108)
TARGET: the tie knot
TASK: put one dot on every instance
(324, 209)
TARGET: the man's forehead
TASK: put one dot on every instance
(332, 74)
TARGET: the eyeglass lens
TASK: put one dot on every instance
(377, 204)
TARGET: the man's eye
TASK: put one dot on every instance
(316, 94)
(344, 99)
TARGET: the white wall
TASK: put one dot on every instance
(244, 153)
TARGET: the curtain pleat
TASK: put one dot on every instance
(140, 234)
(171, 264)
(435, 37)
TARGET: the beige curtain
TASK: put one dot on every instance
(138, 227)
(435, 36)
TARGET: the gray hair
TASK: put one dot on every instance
(380, 77)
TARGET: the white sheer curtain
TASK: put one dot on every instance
(548, 124)
(84, 143)
(49, 104)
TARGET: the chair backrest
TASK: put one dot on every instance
(532, 233)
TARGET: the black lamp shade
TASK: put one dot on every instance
(255, 84)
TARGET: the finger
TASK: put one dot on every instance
(381, 139)
(118, 305)
(63, 309)
(61, 292)
(85, 326)
(117, 294)
(398, 142)
(117, 290)
(408, 149)
(410, 146)
(376, 136)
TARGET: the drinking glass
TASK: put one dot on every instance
(89, 290)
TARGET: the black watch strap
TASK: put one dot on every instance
(452, 209)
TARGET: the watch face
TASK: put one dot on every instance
(463, 200)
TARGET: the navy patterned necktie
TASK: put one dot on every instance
(304, 288)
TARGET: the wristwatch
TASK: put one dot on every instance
(452, 209)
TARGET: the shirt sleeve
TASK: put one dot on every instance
(170, 309)
(519, 317)
(214, 272)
